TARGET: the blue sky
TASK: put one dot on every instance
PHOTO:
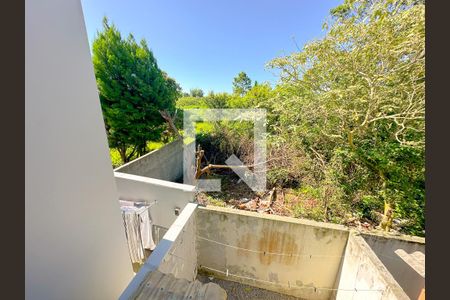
(204, 43)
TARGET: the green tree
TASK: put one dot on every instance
(196, 92)
(132, 91)
(219, 100)
(188, 102)
(256, 97)
(355, 102)
(241, 84)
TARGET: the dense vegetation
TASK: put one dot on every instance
(357, 109)
(346, 120)
(132, 91)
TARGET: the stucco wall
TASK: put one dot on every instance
(165, 163)
(168, 195)
(385, 247)
(286, 255)
(363, 276)
(75, 246)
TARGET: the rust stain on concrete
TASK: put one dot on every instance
(273, 241)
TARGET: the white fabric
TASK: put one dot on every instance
(131, 223)
(138, 228)
(146, 231)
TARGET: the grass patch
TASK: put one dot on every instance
(154, 145)
(215, 202)
(204, 127)
(115, 158)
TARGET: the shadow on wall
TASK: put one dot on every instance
(407, 277)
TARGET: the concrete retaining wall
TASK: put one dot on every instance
(306, 259)
(291, 256)
(363, 275)
(165, 163)
(169, 195)
(384, 248)
(175, 253)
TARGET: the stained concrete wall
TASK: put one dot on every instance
(306, 259)
(286, 255)
(165, 163)
(75, 245)
(168, 195)
(384, 248)
(363, 276)
(175, 254)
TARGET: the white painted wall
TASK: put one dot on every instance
(75, 243)
(168, 195)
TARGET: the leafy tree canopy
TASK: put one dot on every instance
(254, 98)
(132, 90)
(196, 92)
(217, 100)
(241, 84)
(189, 102)
(355, 100)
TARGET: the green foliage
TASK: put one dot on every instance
(132, 91)
(241, 84)
(204, 127)
(255, 97)
(215, 202)
(280, 176)
(226, 138)
(154, 145)
(196, 92)
(346, 122)
(356, 104)
(116, 159)
(219, 100)
(189, 102)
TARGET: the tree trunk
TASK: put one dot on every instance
(130, 156)
(123, 154)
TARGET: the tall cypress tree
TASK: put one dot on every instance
(132, 91)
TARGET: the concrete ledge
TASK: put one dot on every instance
(156, 182)
(300, 221)
(400, 237)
